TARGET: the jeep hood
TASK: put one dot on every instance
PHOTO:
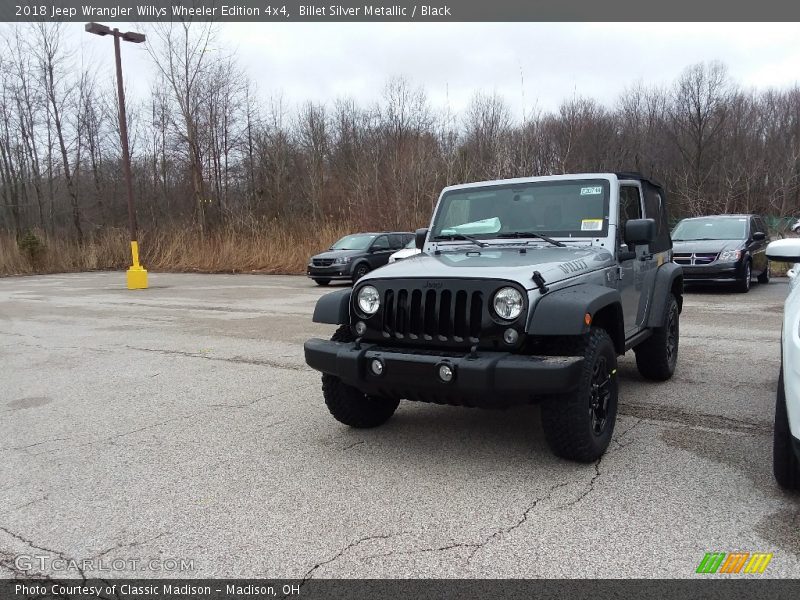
(509, 263)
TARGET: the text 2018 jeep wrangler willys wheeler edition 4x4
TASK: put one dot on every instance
(527, 290)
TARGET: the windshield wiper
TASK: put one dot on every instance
(460, 236)
(526, 234)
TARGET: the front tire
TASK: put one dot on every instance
(657, 356)
(349, 405)
(322, 282)
(360, 271)
(785, 465)
(743, 285)
(578, 426)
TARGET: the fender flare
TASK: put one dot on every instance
(669, 278)
(333, 308)
(562, 312)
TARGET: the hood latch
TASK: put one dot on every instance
(539, 281)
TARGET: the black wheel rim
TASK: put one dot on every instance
(600, 395)
(360, 272)
(672, 335)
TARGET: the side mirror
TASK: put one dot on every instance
(640, 231)
(419, 237)
(759, 236)
(787, 250)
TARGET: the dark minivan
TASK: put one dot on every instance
(722, 248)
(355, 255)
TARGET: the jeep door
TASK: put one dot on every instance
(632, 270)
(379, 252)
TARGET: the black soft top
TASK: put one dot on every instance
(638, 177)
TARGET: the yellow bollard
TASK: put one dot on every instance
(137, 275)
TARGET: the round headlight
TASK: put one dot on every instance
(369, 300)
(508, 303)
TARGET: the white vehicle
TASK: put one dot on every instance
(786, 440)
(409, 249)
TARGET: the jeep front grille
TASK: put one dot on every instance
(433, 315)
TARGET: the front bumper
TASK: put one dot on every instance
(487, 379)
(332, 272)
(725, 272)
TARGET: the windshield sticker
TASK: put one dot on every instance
(591, 191)
(592, 225)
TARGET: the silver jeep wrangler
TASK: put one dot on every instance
(526, 290)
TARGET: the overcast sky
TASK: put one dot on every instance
(543, 63)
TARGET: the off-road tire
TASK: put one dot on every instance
(764, 277)
(785, 465)
(657, 356)
(322, 281)
(743, 284)
(568, 419)
(360, 271)
(350, 406)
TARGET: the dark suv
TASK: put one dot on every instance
(722, 248)
(355, 255)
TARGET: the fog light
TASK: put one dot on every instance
(446, 373)
(376, 366)
(510, 336)
(361, 328)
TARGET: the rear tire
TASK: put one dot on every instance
(349, 405)
(764, 277)
(657, 356)
(578, 426)
(743, 285)
(785, 465)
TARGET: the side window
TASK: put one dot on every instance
(381, 243)
(395, 241)
(630, 207)
(753, 227)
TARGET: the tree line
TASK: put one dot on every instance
(208, 151)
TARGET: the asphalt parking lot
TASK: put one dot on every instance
(181, 422)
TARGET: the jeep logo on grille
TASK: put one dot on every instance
(433, 285)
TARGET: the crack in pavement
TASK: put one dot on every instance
(44, 498)
(35, 546)
(478, 546)
(130, 545)
(589, 488)
(383, 536)
(32, 445)
(236, 359)
(617, 439)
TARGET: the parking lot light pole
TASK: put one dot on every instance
(137, 275)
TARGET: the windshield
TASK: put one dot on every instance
(564, 209)
(710, 229)
(353, 242)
